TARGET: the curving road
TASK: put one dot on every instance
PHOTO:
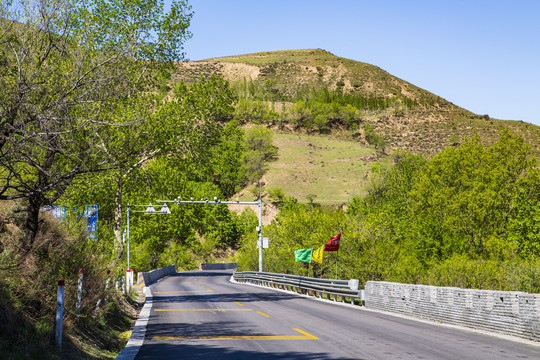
(201, 315)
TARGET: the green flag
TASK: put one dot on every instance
(302, 255)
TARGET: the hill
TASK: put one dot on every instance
(403, 115)
(407, 116)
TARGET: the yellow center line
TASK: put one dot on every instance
(203, 310)
(309, 336)
(263, 314)
(304, 336)
(181, 292)
(237, 303)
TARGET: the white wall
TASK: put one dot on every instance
(508, 312)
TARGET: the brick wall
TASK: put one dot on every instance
(507, 312)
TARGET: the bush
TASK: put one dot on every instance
(460, 271)
(373, 138)
(276, 194)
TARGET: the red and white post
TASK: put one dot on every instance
(129, 276)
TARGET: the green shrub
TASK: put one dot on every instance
(460, 271)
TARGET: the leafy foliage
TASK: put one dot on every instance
(258, 149)
(468, 217)
(71, 66)
(373, 138)
(311, 115)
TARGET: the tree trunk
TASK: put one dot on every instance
(32, 221)
(119, 246)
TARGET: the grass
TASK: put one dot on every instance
(303, 56)
(28, 294)
(333, 169)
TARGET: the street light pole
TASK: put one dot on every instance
(260, 236)
(237, 202)
(149, 210)
(128, 237)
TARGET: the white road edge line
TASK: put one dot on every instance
(403, 316)
(139, 330)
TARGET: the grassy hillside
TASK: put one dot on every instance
(294, 74)
(333, 169)
(403, 115)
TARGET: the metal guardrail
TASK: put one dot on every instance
(337, 290)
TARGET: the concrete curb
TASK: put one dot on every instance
(139, 330)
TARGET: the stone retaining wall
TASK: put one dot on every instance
(507, 312)
(154, 275)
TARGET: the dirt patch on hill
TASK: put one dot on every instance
(237, 71)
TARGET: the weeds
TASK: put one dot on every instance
(28, 286)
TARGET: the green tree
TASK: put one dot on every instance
(374, 139)
(258, 143)
(185, 129)
(227, 165)
(463, 201)
(68, 66)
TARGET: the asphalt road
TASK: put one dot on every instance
(201, 315)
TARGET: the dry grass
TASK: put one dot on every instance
(28, 287)
(333, 169)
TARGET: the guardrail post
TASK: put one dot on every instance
(59, 313)
(79, 293)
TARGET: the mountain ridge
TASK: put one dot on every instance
(405, 115)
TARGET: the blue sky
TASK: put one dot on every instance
(480, 55)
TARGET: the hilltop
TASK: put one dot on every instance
(406, 116)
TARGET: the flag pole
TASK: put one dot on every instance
(337, 253)
(337, 259)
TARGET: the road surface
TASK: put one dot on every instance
(201, 315)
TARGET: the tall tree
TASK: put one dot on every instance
(67, 65)
(184, 127)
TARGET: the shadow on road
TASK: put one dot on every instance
(206, 273)
(158, 351)
(228, 297)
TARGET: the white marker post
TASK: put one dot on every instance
(129, 274)
(59, 313)
(79, 292)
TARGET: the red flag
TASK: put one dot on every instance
(333, 244)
